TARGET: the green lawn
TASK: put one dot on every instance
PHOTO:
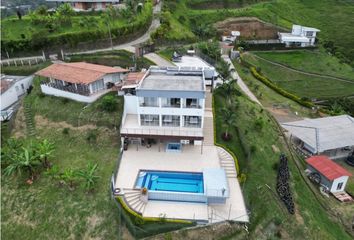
(301, 84)
(311, 61)
(269, 218)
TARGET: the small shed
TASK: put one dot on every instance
(328, 173)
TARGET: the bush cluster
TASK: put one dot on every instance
(283, 188)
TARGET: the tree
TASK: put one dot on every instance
(25, 160)
(229, 121)
(64, 13)
(223, 68)
(109, 103)
(89, 176)
(229, 90)
(41, 10)
(45, 149)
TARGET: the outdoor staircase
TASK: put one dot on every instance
(227, 163)
(208, 131)
(132, 198)
(29, 119)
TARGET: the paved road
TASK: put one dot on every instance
(240, 82)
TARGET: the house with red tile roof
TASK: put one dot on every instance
(328, 173)
(86, 5)
(79, 81)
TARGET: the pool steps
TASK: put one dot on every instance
(132, 198)
(227, 163)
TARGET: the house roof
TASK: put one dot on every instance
(323, 134)
(327, 167)
(307, 28)
(293, 38)
(133, 79)
(78, 72)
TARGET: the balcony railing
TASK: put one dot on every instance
(81, 89)
(162, 132)
(146, 122)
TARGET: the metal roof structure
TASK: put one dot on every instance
(323, 134)
(327, 167)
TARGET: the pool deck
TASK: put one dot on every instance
(189, 160)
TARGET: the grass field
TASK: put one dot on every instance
(303, 85)
(23, 70)
(269, 218)
(311, 61)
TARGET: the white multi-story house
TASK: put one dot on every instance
(168, 103)
(86, 5)
(299, 36)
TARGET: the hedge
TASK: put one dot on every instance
(279, 90)
(74, 38)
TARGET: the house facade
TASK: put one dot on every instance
(330, 175)
(299, 36)
(85, 5)
(80, 81)
(11, 89)
(168, 104)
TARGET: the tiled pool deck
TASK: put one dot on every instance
(189, 160)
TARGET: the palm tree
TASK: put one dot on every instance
(229, 118)
(89, 176)
(229, 90)
(25, 160)
(44, 150)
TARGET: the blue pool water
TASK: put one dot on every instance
(171, 181)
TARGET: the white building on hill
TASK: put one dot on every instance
(299, 36)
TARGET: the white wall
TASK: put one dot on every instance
(336, 181)
(10, 96)
(130, 104)
(76, 97)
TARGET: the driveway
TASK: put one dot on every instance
(158, 60)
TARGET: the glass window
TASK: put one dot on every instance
(149, 120)
(339, 186)
(97, 86)
(171, 102)
(170, 120)
(148, 102)
(192, 103)
(193, 121)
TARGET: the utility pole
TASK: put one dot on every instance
(110, 35)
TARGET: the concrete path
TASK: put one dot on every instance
(240, 82)
(158, 60)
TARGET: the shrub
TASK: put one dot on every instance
(66, 131)
(109, 103)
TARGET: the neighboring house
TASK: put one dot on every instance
(230, 38)
(80, 81)
(299, 36)
(328, 173)
(330, 136)
(169, 103)
(11, 89)
(84, 5)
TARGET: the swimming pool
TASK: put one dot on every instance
(171, 181)
(174, 147)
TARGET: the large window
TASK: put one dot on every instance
(149, 120)
(170, 121)
(192, 103)
(309, 34)
(148, 102)
(193, 121)
(339, 186)
(171, 102)
(97, 86)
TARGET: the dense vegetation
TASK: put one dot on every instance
(41, 29)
